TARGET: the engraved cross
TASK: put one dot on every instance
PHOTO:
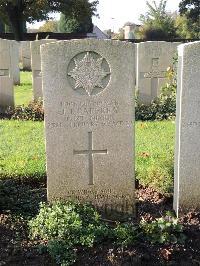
(155, 74)
(90, 152)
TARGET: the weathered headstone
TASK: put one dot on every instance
(187, 155)
(153, 59)
(88, 88)
(25, 55)
(36, 67)
(6, 80)
(14, 46)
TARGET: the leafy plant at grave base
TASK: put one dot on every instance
(34, 111)
(164, 107)
(126, 234)
(62, 228)
(165, 230)
(65, 226)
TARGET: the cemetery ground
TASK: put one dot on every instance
(23, 187)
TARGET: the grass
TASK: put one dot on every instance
(155, 154)
(24, 92)
(22, 152)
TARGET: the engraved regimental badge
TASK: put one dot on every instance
(89, 73)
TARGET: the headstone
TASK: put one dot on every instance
(14, 46)
(6, 80)
(153, 59)
(187, 155)
(26, 55)
(88, 88)
(36, 67)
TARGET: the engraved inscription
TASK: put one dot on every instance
(4, 72)
(90, 73)
(76, 114)
(90, 153)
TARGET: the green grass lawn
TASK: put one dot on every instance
(22, 152)
(24, 92)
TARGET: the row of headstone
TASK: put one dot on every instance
(36, 67)
(89, 124)
(9, 72)
(152, 63)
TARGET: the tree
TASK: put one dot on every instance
(49, 26)
(157, 23)
(16, 12)
(191, 9)
(71, 24)
(186, 29)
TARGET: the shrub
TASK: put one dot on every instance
(63, 228)
(163, 230)
(34, 111)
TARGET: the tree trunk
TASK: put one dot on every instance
(17, 26)
(15, 16)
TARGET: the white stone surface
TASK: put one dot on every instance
(25, 55)
(88, 88)
(15, 47)
(6, 80)
(187, 155)
(36, 67)
(153, 59)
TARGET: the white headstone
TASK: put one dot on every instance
(153, 59)
(187, 155)
(36, 67)
(6, 80)
(15, 46)
(88, 88)
(26, 55)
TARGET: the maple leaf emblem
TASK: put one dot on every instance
(88, 73)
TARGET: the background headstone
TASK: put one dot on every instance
(153, 59)
(187, 155)
(25, 55)
(15, 46)
(88, 88)
(6, 80)
(36, 67)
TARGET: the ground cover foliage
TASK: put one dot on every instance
(67, 233)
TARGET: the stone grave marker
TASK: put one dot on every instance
(88, 88)
(36, 67)
(6, 80)
(153, 59)
(15, 46)
(25, 55)
(187, 152)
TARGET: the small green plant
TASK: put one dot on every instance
(126, 234)
(164, 230)
(65, 226)
(34, 111)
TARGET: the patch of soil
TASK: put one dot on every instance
(17, 249)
